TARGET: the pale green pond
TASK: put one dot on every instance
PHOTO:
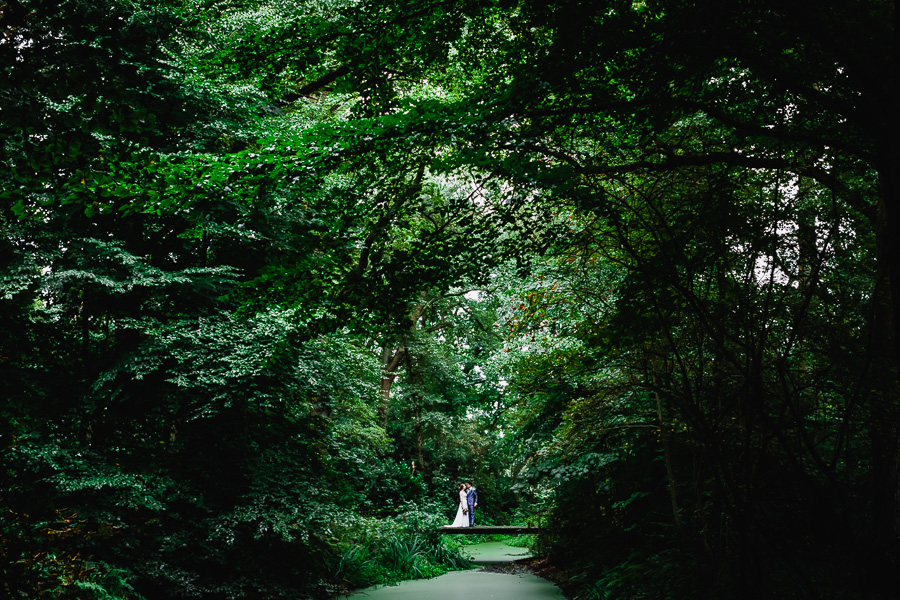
(475, 584)
(495, 552)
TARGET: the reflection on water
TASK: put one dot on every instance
(472, 585)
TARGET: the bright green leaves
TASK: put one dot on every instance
(218, 215)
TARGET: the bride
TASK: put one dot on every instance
(462, 518)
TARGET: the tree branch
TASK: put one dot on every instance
(317, 85)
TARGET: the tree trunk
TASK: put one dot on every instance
(419, 439)
(390, 361)
(670, 473)
(885, 410)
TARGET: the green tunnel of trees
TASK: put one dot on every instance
(278, 274)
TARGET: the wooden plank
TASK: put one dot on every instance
(507, 529)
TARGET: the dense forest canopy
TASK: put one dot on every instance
(277, 275)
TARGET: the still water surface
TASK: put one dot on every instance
(487, 553)
(475, 584)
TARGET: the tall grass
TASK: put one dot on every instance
(373, 551)
(452, 557)
(354, 565)
(405, 556)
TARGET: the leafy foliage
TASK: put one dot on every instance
(278, 275)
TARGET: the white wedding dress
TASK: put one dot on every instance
(462, 519)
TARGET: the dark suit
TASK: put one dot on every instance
(471, 500)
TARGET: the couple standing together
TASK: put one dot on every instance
(468, 500)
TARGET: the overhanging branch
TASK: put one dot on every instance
(318, 84)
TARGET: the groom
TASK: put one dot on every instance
(472, 501)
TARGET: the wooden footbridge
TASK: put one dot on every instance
(505, 529)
